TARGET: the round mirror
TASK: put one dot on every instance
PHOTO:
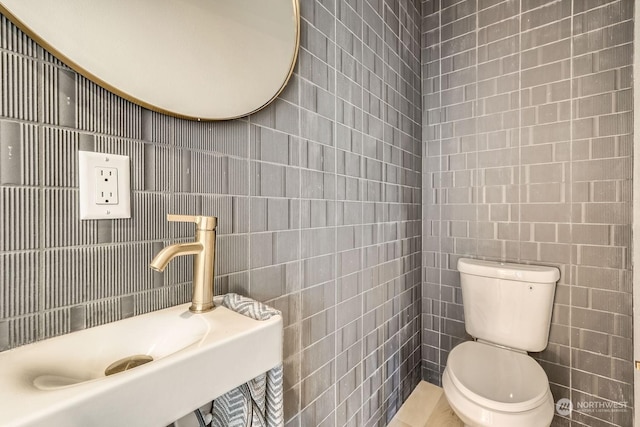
(196, 59)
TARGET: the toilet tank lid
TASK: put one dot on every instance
(509, 271)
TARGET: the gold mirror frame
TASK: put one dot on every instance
(245, 55)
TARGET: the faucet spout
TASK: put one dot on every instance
(204, 260)
(162, 259)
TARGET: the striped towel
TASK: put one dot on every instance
(257, 403)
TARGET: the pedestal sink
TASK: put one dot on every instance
(195, 358)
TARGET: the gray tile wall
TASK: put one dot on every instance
(527, 133)
(318, 198)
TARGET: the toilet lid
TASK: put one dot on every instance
(497, 378)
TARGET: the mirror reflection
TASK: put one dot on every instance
(196, 59)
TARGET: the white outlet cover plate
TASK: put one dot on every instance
(88, 161)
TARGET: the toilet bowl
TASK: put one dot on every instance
(493, 382)
(492, 386)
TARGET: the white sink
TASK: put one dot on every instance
(196, 358)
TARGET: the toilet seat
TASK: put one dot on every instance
(497, 378)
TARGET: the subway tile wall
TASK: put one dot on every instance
(318, 198)
(527, 133)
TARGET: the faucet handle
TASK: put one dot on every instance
(202, 222)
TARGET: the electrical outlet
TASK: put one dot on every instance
(104, 186)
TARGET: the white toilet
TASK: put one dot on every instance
(493, 381)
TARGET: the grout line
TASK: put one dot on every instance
(570, 196)
(362, 247)
(476, 177)
(520, 177)
(41, 223)
(438, 200)
(300, 262)
(335, 210)
(248, 231)
(520, 166)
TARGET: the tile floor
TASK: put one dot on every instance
(426, 407)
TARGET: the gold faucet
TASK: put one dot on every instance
(204, 249)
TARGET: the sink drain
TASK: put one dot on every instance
(127, 363)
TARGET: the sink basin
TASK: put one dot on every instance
(195, 358)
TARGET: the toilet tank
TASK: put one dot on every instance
(508, 304)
